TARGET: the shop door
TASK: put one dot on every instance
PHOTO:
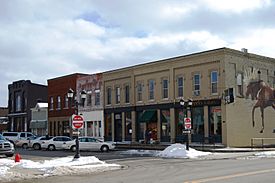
(118, 128)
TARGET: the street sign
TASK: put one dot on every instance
(187, 123)
(77, 121)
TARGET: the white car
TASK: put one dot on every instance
(89, 144)
(36, 143)
(55, 143)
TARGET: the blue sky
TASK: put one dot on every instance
(42, 39)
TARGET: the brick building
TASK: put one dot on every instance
(23, 95)
(4, 119)
(60, 109)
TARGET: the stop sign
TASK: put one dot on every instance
(78, 121)
(187, 123)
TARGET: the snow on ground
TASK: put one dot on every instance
(173, 151)
(9, 170)
(265, 154)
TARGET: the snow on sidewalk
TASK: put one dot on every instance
(27, 169)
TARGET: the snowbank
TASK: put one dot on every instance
(179, 151)
(9, 170)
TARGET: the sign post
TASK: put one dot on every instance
(77, 123)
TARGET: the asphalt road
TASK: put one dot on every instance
(233, 169)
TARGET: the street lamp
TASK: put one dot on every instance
(187, 117)
(71, 97)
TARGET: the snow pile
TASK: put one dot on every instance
(267, 154)
(9, 170)
(179, 151)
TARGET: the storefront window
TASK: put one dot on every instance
(215, 128)
(165, 125)
(108, 127)
(90, 128)
(198, 123)
(140, 128)
(128, 126)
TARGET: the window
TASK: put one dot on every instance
(18, 102)
(117, 95)
(109, 96)
(165, 88)
(97, 97)
(151, 89)
(196, 81)
(51, 103)
(139, 92)
(240, 84)
(58, 102)
(180, 86)
(214, 82)
(127, 94)
(66, 104)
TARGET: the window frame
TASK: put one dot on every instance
(139, 91)
(165, 89)
(214, 83)
(118, 95)
(180, 87)
(151, 89)
(196, 92)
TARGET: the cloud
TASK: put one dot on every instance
(47, 39)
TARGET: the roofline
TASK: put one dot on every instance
(167, 59)
(81, 74)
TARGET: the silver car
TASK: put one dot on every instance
(55, 143)
(6, 147)
(89, 144)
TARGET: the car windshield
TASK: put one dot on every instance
(1, 137)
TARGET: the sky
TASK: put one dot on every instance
(44, 39)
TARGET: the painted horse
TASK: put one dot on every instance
(264, 95)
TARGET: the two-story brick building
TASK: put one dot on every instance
(146, 97)
(23, 95)
(60, 109)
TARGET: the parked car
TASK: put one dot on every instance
(55, 143)
(14, 137)
(24, 143)
(36, 143)
(89, 144)
(6, 147)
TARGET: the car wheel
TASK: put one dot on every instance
(51, 147)
(104, 148)
(25, 146)
(73, 148)
(9, 155)
(36, 146)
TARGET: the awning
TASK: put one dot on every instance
(148, 116)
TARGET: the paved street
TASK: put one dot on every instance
(228, 167)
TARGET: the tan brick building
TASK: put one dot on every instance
(146, 98)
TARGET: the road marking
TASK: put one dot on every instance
(230, 176)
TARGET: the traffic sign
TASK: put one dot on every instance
(187, 123)
(78, 121)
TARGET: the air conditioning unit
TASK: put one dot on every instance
(197, 92)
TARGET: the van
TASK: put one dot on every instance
(6, 147)
(15, 137)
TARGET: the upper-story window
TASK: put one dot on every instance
(117, 95)
(197, 83)
(66, 103)
(109, 95)
(89, 99)
(180, 86)
(214, 82)
(97, 97)
(151, 89)
(51, 103)
(165, 88)
(127, 94)
(17, 102)
(58, 103)
(139, 91)
(240, 84)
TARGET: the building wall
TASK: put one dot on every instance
(59, 118)
(238, 115)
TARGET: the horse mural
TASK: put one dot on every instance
(260, 91)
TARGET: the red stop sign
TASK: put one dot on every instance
(78, 121)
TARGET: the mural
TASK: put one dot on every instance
(258, 90)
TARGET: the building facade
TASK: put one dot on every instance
(92, 110)
(60, 108)
(39, 121)
(146, 98)
(4, 120)
(23, 95)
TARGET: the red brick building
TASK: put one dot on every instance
(4, 119)
(60, 109)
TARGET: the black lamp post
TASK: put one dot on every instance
(70, 95)
(187, 104)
